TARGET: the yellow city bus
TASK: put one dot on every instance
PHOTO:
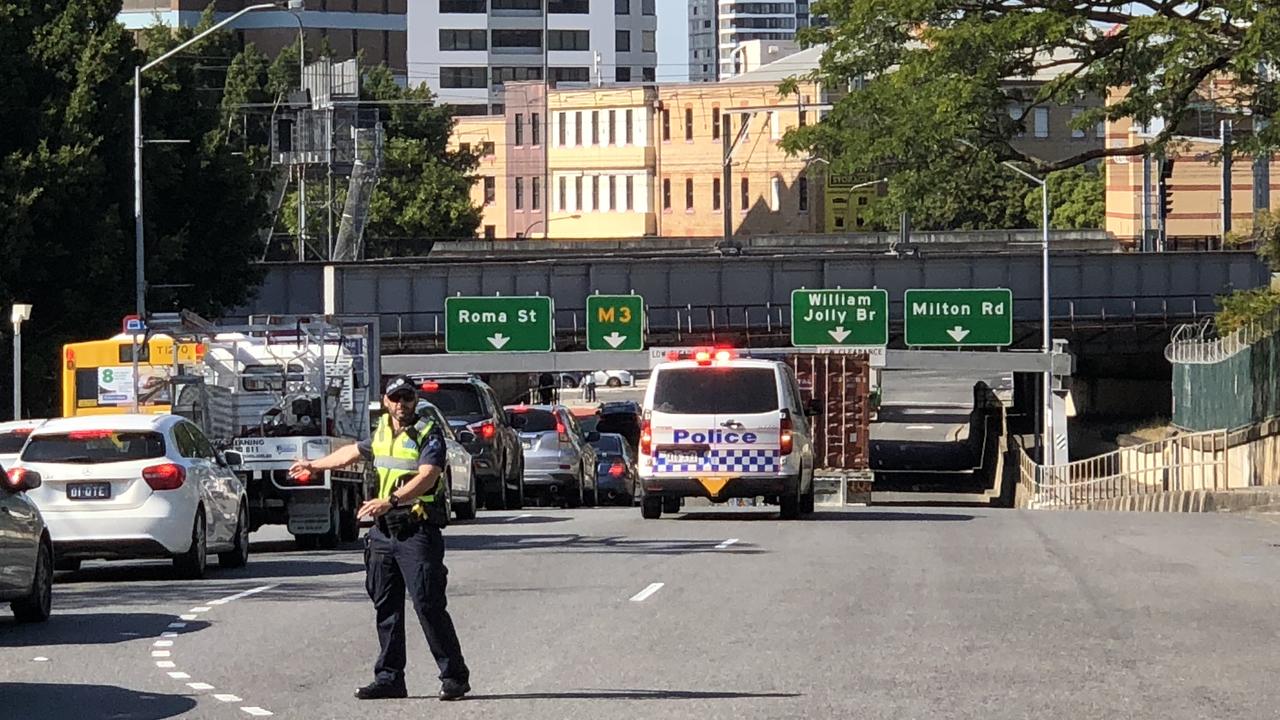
(97, 376)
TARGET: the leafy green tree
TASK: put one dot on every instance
(942, 75)
(1077, 199)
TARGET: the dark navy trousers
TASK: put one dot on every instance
(413, 561)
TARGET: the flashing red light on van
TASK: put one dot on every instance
(429, 386)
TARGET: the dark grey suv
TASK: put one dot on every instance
(468, 403)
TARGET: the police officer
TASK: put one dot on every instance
(405, 549)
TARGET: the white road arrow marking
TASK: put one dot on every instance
(614, 339)
(839, 334)
(958, 333)
(497, 340)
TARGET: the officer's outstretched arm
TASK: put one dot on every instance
(339, 458)
(421, 484)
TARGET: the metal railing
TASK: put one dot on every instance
(1196, 343)
(1196, 461)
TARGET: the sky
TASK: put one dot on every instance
(673, 40)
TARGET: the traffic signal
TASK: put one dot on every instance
(1166, 188)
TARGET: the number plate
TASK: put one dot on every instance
(89, 491)
(682, 458)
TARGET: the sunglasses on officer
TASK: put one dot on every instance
(403, 396)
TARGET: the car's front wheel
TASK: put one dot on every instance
(38, 604)
(192, 563)
(238, 555)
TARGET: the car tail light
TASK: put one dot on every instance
(702, 357)
(562, 432)
(617, 470)
(167, 476)
(430, 386)
(487, 430)
(21, 431)
(786, 440)
(646, 438)
(90, 434)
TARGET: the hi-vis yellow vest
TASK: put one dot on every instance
(396, 459)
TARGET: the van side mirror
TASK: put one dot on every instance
(232, 458)
(813, 407)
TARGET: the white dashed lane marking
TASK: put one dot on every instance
(200, 686)
(256, 711)
(165, 664)
(201, 609)
(519, 517)
(162, 643)
(179, 676)
(177, 626)
(726, 543)
(237, 596)
(645, 593)
(227, 698)
(160, 653)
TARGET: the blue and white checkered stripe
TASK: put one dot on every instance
(721, 461)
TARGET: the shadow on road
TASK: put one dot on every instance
(908, 415)
(509, 520)
(258, 568)
(633, 695)
(586, 544)
(88, 702)
(86, 628)
(765, 515)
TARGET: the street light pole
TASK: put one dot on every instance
(140, 279)
(19, 314)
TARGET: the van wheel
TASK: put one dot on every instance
(651, 508)
(671, 505)
(806, 502)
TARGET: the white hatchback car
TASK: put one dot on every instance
(13, 435)
(137, 486)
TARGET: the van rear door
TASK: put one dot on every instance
(719, 419)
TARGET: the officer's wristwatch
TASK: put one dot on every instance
(395, 501)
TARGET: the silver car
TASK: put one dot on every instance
(559, 462)
(462, 488)
(26, 552)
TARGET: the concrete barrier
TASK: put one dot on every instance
(1192, 501)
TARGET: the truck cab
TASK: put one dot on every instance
(720, 426)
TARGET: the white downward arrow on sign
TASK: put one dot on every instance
(958, 333)
(497, 340)
(614, 339)
(839, 334)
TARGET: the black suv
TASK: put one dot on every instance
(497, 460)
(621, 417)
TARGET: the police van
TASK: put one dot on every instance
(720, 426)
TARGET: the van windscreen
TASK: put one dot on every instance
(717, 390)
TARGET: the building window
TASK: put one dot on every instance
(666, 193)
(648, 41)
(519, 129)
(464, 148)
(715, 122)
(463, 77)
(715, 194)
(535, 129)
(595, 192)
(1100, 130)
(564, 192)
(613, 192)
(570, 74)
(646, 7)
(1042, 122)
(775, 194)
(463, 40)
(577, 128)
(533, 5)
(688, 194)
(621, 7)
(746, 195)
(622, 74)
(804, 118)
(1076, 133)
(568, 40)
(647, 74)
(490, 189)
(613, 128)
(666, 125)
(535, 194)
(627, 129)
(746, 125)
(577, 193)
(803, 187)
(622, 39)
(463, 6)
(490, 232)
(502, 74)
(487, 149)
(562, 131)
(631, 193)
(569, 7)
(519, 193)
(595, 127)
(774, 125)
(688, 123)
(531, 39)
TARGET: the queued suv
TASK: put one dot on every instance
(721, 427)
(559, 459)
(468, 403)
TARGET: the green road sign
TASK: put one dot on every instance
(615, 322)
(959, 317)
(844, 318)
(499, 324)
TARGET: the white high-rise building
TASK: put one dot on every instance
(718, 27)
(464, 50)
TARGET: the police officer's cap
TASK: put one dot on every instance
(399, 383)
